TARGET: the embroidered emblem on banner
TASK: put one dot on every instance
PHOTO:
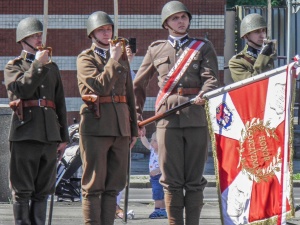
(224, 116)
(259, 151)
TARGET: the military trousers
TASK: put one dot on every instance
(104, 164)
(32, 170)
(182, 157)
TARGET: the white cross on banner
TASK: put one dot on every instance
(250, 127)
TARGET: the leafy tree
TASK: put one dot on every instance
(232, 3)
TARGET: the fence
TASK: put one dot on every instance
(279, 27)
(278, 31)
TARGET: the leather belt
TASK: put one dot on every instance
(113, 98)
(186, 91)
(39, 103)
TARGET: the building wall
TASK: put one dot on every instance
(67, 34)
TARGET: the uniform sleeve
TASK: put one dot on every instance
(61, 110)
(141, 81)
(23, 84)
(209, 69)
(241, 69)
(94, 78)
(131, 105)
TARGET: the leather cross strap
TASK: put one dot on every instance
(249, 60)
(114, 98)
(177, 71)
(186, 91)
(39, 103)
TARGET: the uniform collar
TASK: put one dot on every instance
(100, 51)
(252, 51)
(28, 57)
(178, 42)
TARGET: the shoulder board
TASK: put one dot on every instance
(157, 42)
(86, 51)
(201, 39)
(12, 61)
(54, 63)
(240, 54)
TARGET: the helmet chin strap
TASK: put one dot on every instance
(33, 48)
(100, 42)
(176, 32)
(257, 45)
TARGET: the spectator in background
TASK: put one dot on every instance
(155, 174)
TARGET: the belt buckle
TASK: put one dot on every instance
(113, 98)
(40, 101)
(180, 90)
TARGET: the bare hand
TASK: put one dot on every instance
(142, 131)
(61, 150)
(42, 56)
(199, 100)
(133, 141)
(115, 50)
(129, 53)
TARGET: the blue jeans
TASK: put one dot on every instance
(157, 188)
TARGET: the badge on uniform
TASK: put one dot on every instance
(195, 66)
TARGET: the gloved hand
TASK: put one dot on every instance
(268, 49)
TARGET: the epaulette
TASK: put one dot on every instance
(239, 55)
(201, 39)
(12, 61)
(86, 51)
(157, 42)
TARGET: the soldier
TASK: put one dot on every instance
(108, 126)
(39, 133)
(186, 68)
(256, 57)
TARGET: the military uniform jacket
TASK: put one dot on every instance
(243, 65)
(201, 73)
(106, 77)
(31, 81)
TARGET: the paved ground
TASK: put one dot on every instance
(140, 177)
(70, 213)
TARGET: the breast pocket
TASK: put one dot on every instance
(162, 65)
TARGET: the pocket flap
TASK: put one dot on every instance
(157, 62)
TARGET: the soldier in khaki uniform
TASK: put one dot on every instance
(183, 136)
(256, 57)
(108, 126)
(38, 133)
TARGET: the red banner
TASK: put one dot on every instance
(250, 126)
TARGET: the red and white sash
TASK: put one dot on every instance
(177, 71)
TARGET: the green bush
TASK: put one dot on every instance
(296, 176)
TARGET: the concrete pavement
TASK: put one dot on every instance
(69, 213)
(140, 178)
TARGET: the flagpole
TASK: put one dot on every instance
(241, 83)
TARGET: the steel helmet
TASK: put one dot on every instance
(97, 19)
(171, 8)
(252, 22)
(27, 27)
